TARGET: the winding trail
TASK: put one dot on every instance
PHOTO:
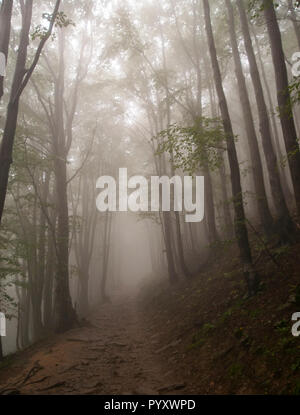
(114, 354)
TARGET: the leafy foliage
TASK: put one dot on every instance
(61, 21)
(200, 145)
(294, 89)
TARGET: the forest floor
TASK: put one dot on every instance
(198, 337)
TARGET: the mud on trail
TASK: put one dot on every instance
(116, 353)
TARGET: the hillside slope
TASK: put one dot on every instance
(220, 341)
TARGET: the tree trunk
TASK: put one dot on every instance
(6, 148)
(5, 26)
(265, 216)
(285, 171)
(64, 313)
(20, 81)
(84, 292)
(106, 240)
(240, 225)
(284, 99)
(210, 208)
(295, 21)
(1, 350)
(49, 274)
(182, 260)
(23, 296)
(225, 203)
(222, 170)
(65, 316)
(165, 219)
(40, 256)
(173, 277)
(284, 219)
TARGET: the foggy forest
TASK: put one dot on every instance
(108, 284)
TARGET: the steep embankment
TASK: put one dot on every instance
(219, 341)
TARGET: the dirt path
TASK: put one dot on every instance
(116, 354)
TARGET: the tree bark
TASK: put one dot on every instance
(49, 277)
(240, 220)
(1, 350)
(182, 260)
(266, 220)
(283, 215)
(210, 208)
(13, 109)
(64, 313)
(283, 97)
(20, 80)
(106, 252)
(225, 203)
(294, 21)
(5, 26)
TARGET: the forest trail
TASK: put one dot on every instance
(114, 354)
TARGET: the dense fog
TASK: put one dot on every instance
(192, 89)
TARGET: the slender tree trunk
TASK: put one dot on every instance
(284, 99)
(84, 292)
(210, 208)
(285, 171)
(222, 170)
(284, 219)
(32, 265)
(182, 260)
(210, 215)
(240, 220)
(225, 203)
(20, 81)
(25, 333)
(166, 225)
(1, 349)
(5, 26)
(6, 150)
(266, 220)
(18, 337)
(178, 234)
(49, 278)
(106, 239)
(173, 277)
(40, 253)
(294, 20)
(269, 95)
(192, 237)
(64, 312)
(23, 296)
(84, 242)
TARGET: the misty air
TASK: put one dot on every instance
(149, 200)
